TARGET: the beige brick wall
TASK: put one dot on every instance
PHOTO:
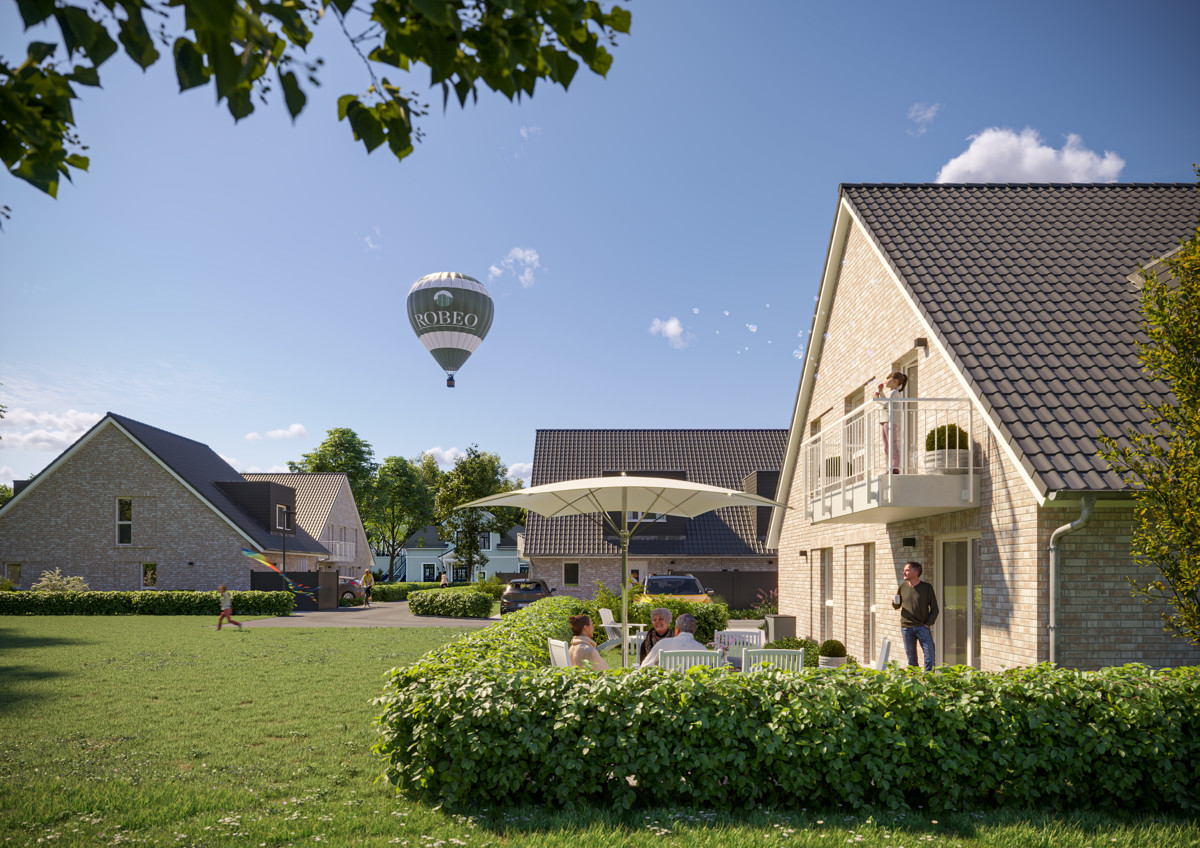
(68, 521)
(871, 329)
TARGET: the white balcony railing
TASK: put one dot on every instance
(340, 551)
(890, 460)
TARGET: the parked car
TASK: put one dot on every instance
(678, 587)
(349, 587)
(523, 592)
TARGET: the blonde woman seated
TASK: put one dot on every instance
(584, 652)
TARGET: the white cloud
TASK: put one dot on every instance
(445, 457)
(253, 437)
(1004, 156)
(521, 261)
(23, 429)
(527, 132)
(521, 471)
(671, 330)
(373, 244)
(922, 114)
(296, 431)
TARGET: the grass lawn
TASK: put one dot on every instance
(162, 731)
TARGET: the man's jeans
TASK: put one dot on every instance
(921, 634)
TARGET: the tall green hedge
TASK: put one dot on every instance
(149, 602)
(397, 591)
(483, 717)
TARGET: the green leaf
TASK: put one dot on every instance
(35, 11)
(189, 65)
(440, 12)
(38, 51)
(292, 94)
(85, 75)
(137, 41)
(80, 32)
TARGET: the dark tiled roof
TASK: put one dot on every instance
(1027, 287)
(716, 457)
(201, 468)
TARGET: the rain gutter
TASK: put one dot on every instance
(1085, 515)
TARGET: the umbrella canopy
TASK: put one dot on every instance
(604, 495)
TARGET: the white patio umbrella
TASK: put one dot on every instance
(604, 495)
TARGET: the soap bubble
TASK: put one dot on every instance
(798, 353)
(695, 310)
(752, 328)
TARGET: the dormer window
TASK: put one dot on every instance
(281, 517)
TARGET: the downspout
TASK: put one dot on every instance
(1085, 515)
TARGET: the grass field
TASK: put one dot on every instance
(162, 731)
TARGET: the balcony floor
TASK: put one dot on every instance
(898, 497)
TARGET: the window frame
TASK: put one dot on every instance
(567, 565)
(124, 523)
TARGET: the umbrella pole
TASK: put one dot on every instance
(624, 580)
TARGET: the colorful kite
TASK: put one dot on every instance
(296, 590)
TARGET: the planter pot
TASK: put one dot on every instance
(830, 662)
(947, 461)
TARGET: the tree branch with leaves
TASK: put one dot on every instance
(1162, 464)
(245, 47)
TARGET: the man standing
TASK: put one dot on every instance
(918, 611)
(683, 640)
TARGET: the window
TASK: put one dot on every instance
(485, 541)
(124, 521)
(281, 517)
(645, 517)
(13, 570)
(149, 575)
(570, 574)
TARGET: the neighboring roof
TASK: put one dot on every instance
(427, 534)
(199, 468)
(316, 492)
(716, 457)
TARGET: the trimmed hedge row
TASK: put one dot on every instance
(450, 602)
(150, 602)
(483, 718)
(397, 591)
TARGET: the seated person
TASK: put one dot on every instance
(660, 628)
(683, 640)
(584, 652)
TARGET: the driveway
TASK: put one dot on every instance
(392, 614)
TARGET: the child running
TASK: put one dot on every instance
(226, 609)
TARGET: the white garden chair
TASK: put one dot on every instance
(687, 659)
(612, 629)
(735, 642)
(780, 658)
(560, 653)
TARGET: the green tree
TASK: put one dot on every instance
(475, 475)
(6, 493)
(247, 48)
(1163, 464)
(344, 451)
(402, 502)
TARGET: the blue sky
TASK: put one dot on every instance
(653, 241)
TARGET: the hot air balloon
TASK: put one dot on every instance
(451, 314)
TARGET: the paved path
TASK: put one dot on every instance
(395, 614)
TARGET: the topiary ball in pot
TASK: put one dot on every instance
(832, 654)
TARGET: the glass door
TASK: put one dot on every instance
(961, 603)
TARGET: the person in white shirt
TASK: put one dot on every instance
(683, 640)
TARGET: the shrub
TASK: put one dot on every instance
(1037, 737)
(151, 602)
(947, 437)
(832, 648)
(56, 581)
(491, 587)
(791, 643)
(454, 604)
(387, 592)
(6, 585)
(353, 602)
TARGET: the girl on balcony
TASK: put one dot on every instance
(893, 435)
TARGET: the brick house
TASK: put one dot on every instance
(572, 553)
(129, 506)
(325, 509)
(1013, 310)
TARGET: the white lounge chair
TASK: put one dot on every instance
(612, 629)
(687, 659)
(780, 658)
(884, 650)
(560, 653)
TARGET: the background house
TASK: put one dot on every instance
(572, 553)
(1014, 311)
(129, 506)
(427, 556)
(325, 509)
